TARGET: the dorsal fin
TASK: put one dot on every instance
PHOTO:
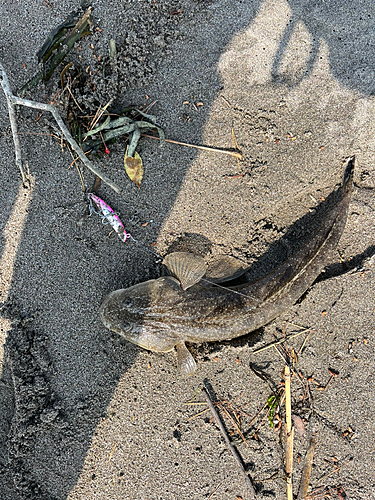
(186, 267)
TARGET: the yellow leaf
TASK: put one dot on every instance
(134, 167)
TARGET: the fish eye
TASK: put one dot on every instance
(128, 302)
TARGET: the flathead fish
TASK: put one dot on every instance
(164, 313)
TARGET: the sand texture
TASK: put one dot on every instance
(86, 415)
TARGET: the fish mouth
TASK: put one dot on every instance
(123, 328)
(111, 319)
(136, 330)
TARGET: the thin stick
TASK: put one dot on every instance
(305, 328)
(147, 108)
(114, 446)
(288, 436)
(334, 471)
(323, 493)
(197, 414)
(204, 148)
(13, 124)
(231, 448)
(257, 415)
(306, 472)
(215, 491)
(99, 114)
(52, 101)
(235, 424)
(304, 342)
(279, 341)
(74, 99)
(78, 167)
(226, 102)
(36, 133)
(12, 100)
(296, 373)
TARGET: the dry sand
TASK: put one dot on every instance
(85, 414)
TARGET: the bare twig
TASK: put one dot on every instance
(204, 148)
(304, 342)
(280, 341)
(257, 415)
(262, 421)
(235, 424)
(197, 414)
(99, 114)
(306, 472)
(114, 446)
(325, 492)
(333, 471)
(305, 387)
(231, 448)
(74, 99)
(226, 102)
(12, 100)
(215, 491)
(13, 124)
(288, 436)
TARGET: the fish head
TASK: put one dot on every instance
(140, 313)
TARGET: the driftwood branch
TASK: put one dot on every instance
(12, 100)
(231, 448)
(13, 124)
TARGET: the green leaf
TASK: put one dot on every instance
(272, 403)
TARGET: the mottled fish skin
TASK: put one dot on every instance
(159, 315)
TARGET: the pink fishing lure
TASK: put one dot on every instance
(106, 212)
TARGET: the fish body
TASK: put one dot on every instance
(109, 216)
(159, 314)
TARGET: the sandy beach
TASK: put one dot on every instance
(86, 415)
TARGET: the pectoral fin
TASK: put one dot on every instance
(225, 268)
(188, 268)
(185, 360)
